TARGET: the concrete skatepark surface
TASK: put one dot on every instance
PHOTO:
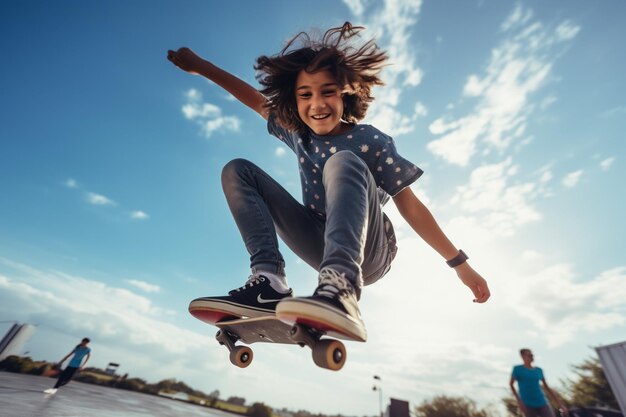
(22, 396)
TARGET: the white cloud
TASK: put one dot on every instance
(618, 111)
(280, 151)
(144, 286)
(520, 16)
(99, 200)
(500, 208)
(208, 115)
(567, 31)
(420, 109)
(572, 179)
(517, 68)
(606, 163)
(390, 22)
(357, 7)
(561, 307)
(139, 215)
(71, 183)
(111, 312)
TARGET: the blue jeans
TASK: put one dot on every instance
(354, 237)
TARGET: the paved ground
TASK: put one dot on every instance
(22, 396)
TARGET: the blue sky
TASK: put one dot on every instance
(112, 217)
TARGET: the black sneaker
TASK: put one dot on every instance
(332, 308)
(255, 299)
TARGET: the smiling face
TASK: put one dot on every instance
(320, 103)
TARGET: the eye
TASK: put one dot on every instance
(329, 93)
(304, 95)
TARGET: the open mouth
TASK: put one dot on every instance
(320, 116)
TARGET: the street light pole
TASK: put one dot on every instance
(379, 388)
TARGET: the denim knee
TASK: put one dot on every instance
(343, 160)
(233, 170)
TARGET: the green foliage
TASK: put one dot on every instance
(131, 384)
(22, 365)
(511, 406)
(444, 406)
(236, 400)
(259, 410)
(590, 387)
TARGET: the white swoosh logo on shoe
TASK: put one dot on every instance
(264, 301)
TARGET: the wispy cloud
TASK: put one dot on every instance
(71, 183)
(390, 22)
(139, 215)
(517, 69)
(561, 307)
(144, 286)
(494, 202)
(99, 200)
(615, 111)
(208, 115)
(607, 163)
(279, 152)
(572, 179)
(117, 318)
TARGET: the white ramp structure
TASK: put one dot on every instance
(14, 340)
(613, 360)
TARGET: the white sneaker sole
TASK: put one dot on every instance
(212, 311)
(321, 316)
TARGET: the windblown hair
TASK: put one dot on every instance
(355, 68)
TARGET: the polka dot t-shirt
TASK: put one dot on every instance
(391, 172)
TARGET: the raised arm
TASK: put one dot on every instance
(187, 60)
(422, 221)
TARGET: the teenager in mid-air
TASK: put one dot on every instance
(80, 352)
(314, 94)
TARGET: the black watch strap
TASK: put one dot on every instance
(458, 259)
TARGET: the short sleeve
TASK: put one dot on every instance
(393, 172)
(540, 372)
(514, 373)
(284, 135)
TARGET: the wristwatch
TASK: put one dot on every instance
(458, 259)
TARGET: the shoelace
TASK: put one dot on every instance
(331, 283)
(251, 282)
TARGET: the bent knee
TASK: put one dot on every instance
(344, 157)
(234, 169)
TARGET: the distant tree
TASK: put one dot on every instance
(236, 400)
(590, 387)
(22, 365)
(131, 384)
(444, 406)
(511, 406)
(259, 410)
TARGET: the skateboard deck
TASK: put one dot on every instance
(327, 353)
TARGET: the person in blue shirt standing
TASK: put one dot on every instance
(531, 400)
(80, 352)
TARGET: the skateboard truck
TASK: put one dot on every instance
(240, 356)
(327, 353)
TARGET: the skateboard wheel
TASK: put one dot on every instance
(241, 356)
(329, 354)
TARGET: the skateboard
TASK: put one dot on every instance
(327, 352)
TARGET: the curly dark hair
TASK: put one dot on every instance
(355, 68)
